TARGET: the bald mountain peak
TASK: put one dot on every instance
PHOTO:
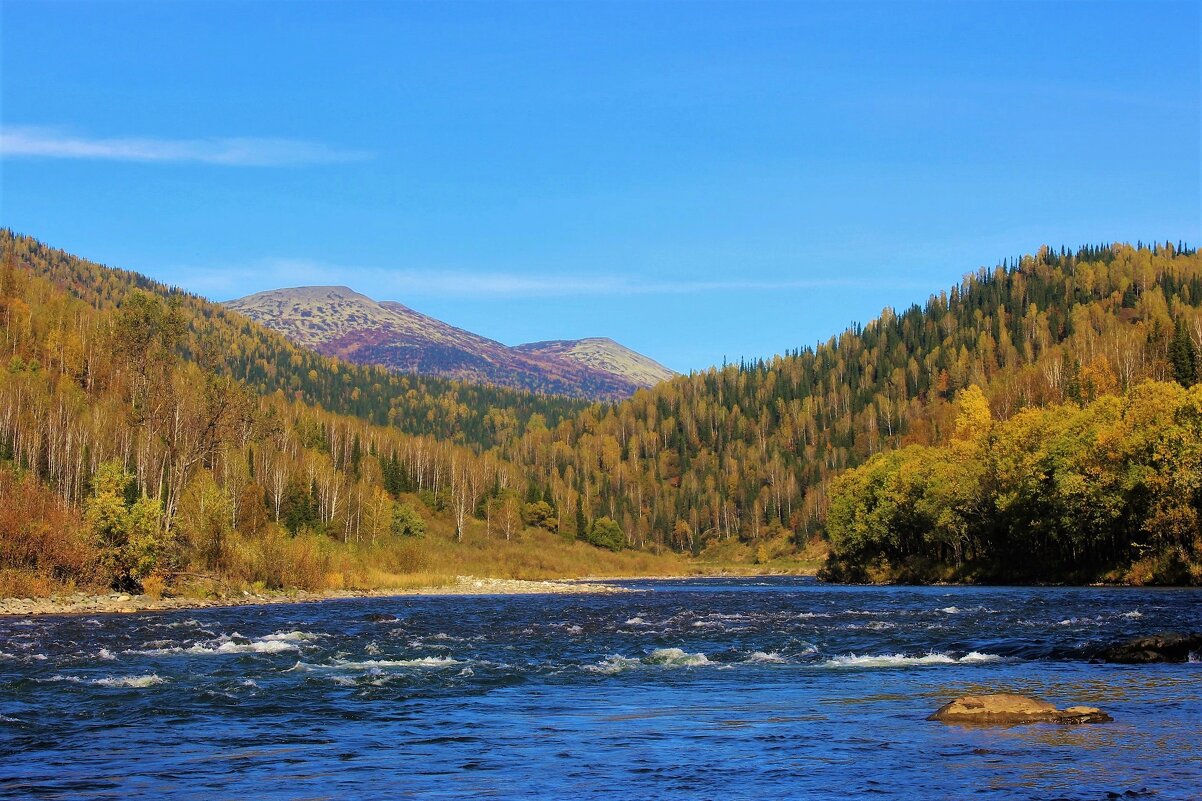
(338, 321)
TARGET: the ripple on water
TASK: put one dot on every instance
(819, 685)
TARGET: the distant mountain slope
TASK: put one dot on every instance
(602, 353)
(337, 321)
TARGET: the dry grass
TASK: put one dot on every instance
(273, 560)
(25, 584)
(40, 535)
(154, 586)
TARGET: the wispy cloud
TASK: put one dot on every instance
(39, 142)
(227, 281)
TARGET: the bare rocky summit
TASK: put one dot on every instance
(337, 321)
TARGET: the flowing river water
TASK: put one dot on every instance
(714, 688)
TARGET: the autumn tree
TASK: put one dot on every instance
(128, 535)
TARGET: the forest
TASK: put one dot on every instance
(748, 452)
(1106, 491)
(148, 438)
(148, 435)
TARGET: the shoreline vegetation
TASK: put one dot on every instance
(1107, 491)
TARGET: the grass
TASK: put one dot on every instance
(274, 561)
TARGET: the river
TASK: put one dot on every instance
(709, 688)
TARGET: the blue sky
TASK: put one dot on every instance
(697, 180)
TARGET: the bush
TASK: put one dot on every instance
(128, 536)
(406, 522)
(606, 533)
(40, 534)
(154, 585)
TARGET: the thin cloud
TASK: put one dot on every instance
(228, 281)
(37, 142)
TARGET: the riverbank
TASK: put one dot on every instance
(82, 603)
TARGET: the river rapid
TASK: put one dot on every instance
(712, 688)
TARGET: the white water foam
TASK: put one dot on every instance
(292, 636)
(676, 657)
(376, 664)
(237, 644)
(636, 621)
(137, 682)
(900, 660)
(766, 657)
(60, 677)
(613, 664)
(423, 661)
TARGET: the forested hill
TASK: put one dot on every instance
(148, 430)
(226, 342)
(748, 451)
(131, 457)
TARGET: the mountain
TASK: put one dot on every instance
(337, 321)
(602, 353)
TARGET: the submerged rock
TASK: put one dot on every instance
(1157, 648)
(1009, 709)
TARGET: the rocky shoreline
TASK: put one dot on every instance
(116, 603)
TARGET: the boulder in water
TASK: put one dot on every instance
(380, 617)
(1157, 648)
(1010, 709)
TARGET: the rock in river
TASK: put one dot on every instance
(1157, 648)
(1007, 708)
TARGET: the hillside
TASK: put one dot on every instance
(146, 432)
(746, 454)
(232, 345)
(337, 321)
(135, 455)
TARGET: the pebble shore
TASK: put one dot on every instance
(81, 603)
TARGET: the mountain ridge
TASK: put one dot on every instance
(339, 321)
